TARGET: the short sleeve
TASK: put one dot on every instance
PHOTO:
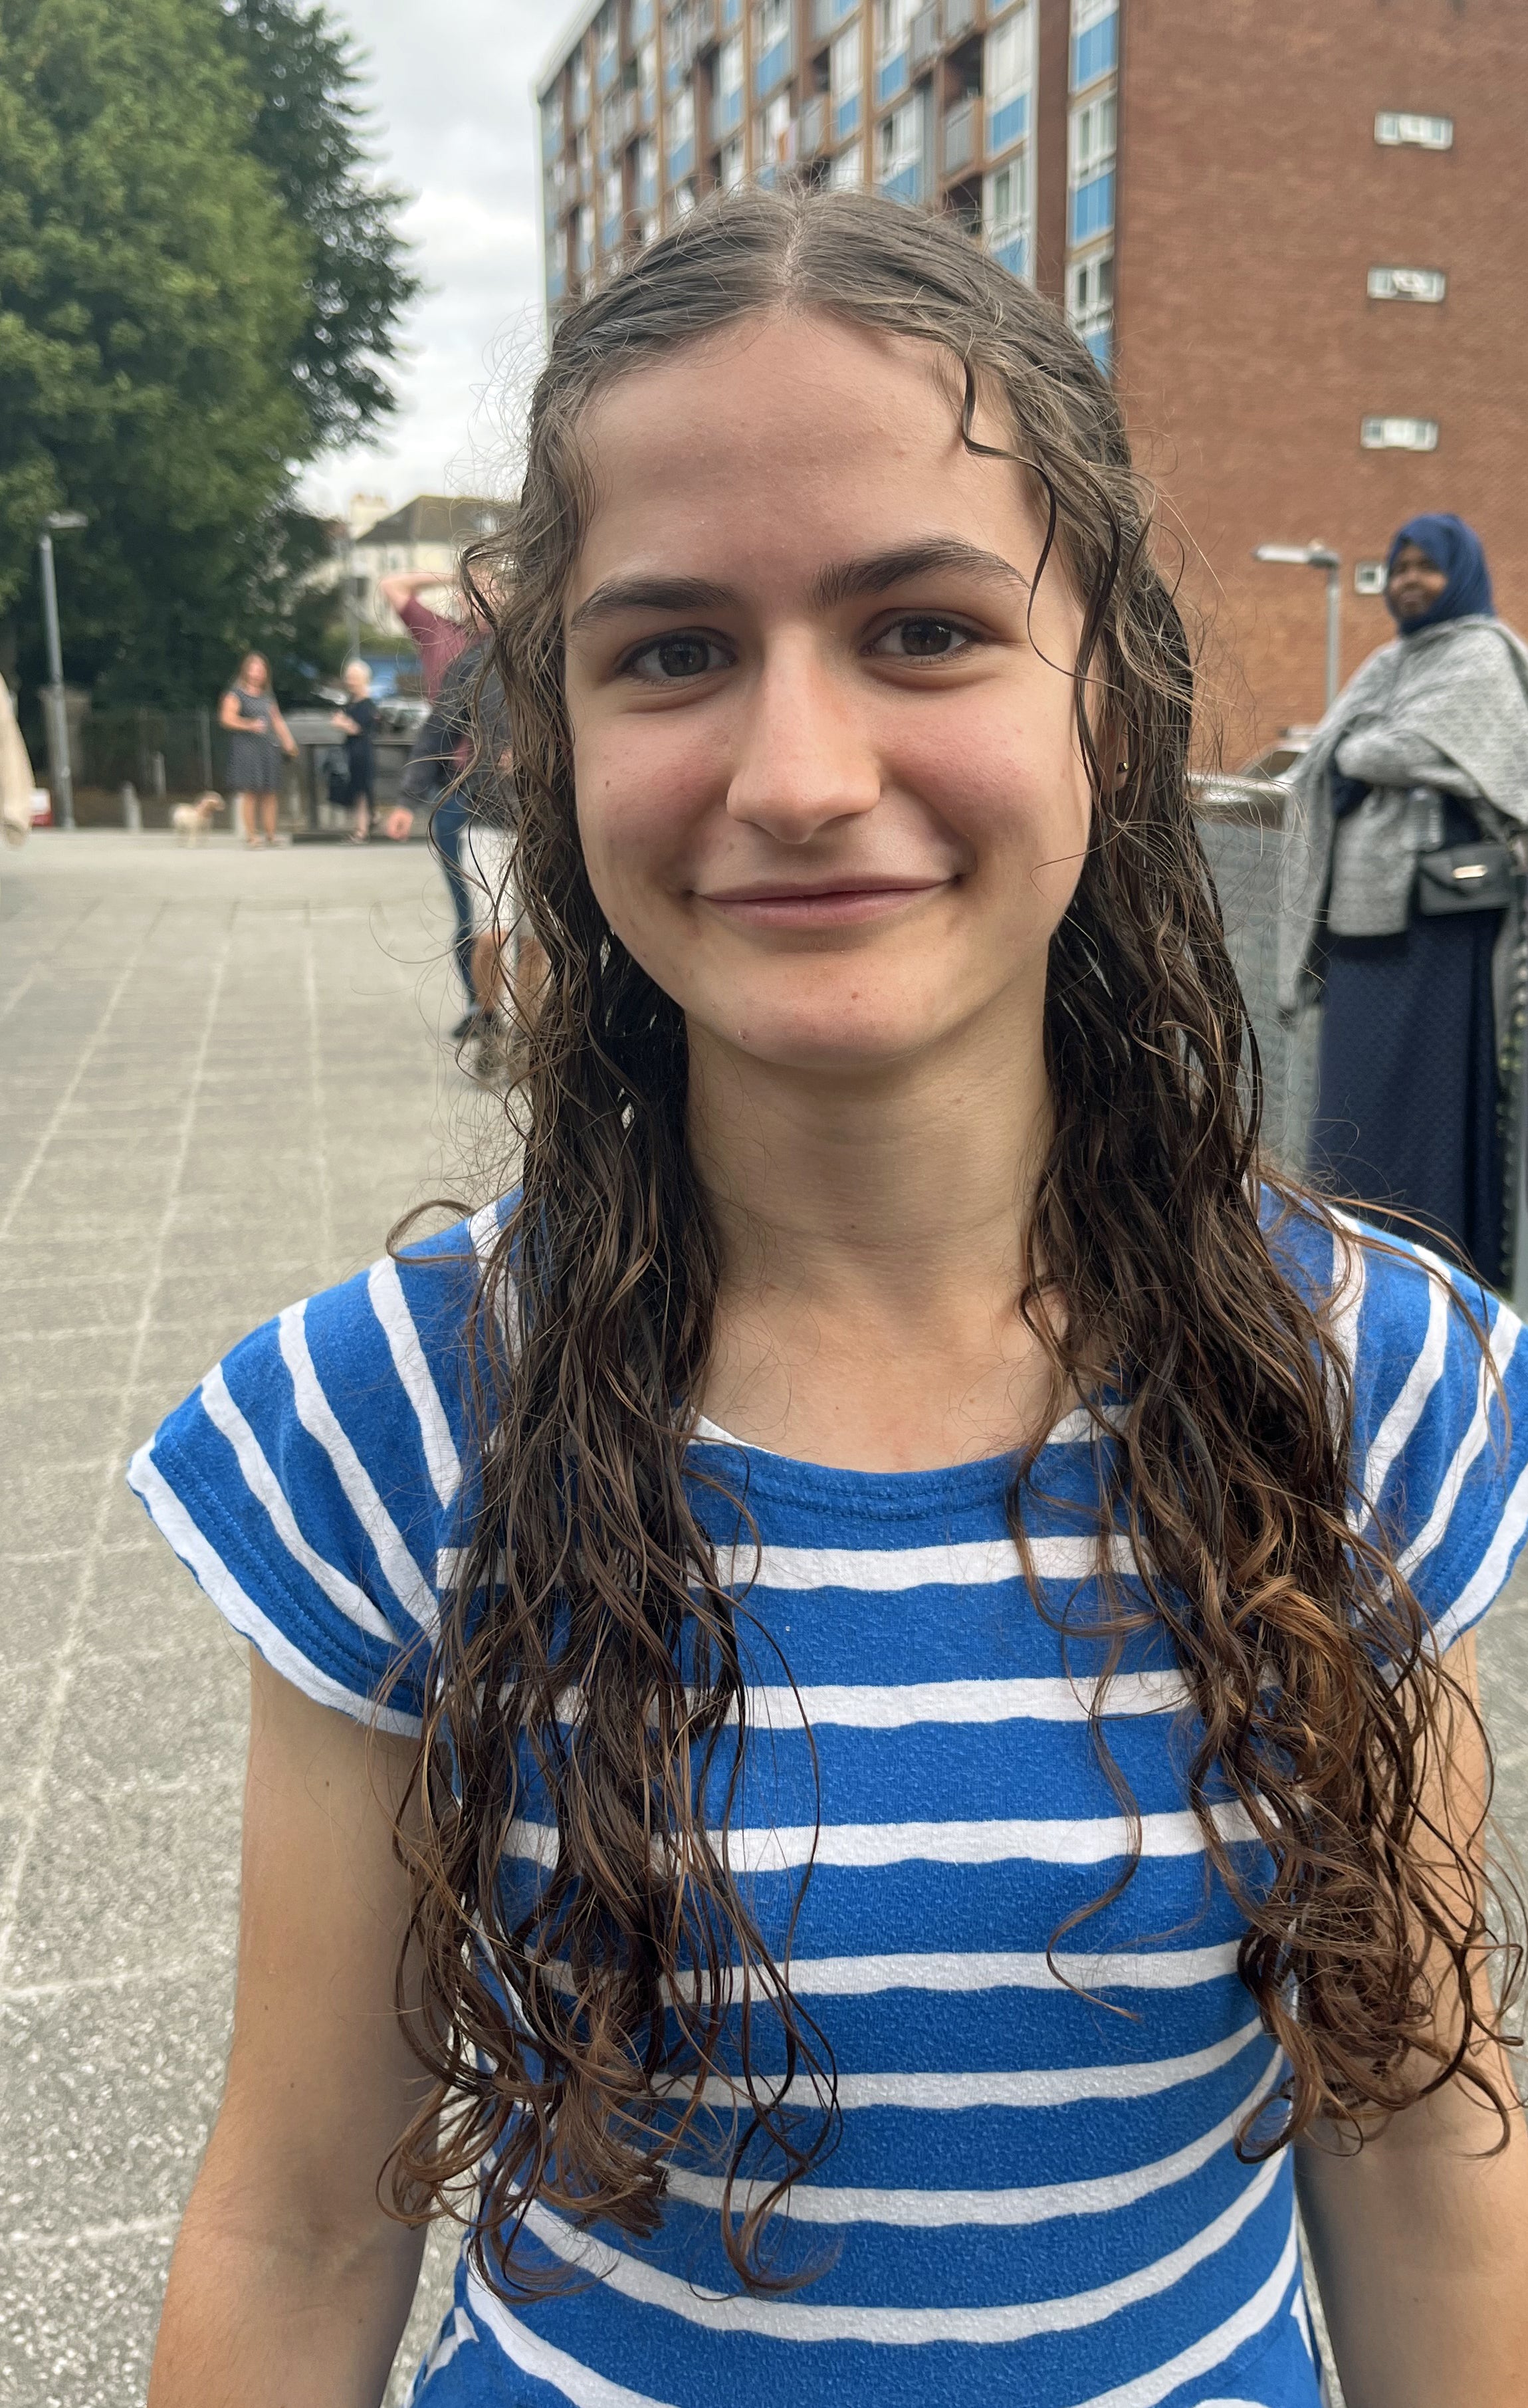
(1440, 1425)
(313, 1482)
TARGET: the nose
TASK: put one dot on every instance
(804, 758)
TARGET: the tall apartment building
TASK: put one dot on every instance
(1291, 233)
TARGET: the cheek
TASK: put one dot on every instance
(1010, 781)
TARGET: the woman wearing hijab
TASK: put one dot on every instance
(1404, 906)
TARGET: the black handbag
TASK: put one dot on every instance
(1478, 877)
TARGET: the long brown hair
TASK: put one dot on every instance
(576, 2044)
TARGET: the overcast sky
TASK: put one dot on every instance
(450, 84)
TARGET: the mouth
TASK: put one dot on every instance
(841, 905)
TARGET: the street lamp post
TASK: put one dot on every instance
(1317, 555)
(60, 775)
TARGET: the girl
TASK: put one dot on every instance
(249, 710)
(1416, 785)
(864, 1710)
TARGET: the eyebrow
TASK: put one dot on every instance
(844, 580)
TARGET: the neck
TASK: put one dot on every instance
(872, 1229)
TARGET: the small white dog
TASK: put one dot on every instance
(191, 821)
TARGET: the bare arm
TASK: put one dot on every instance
(347, 725)
(1420, 2241)
(283, 733)
(289, 2286)
(402, 587)
(230, 715)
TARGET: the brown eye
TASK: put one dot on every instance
(674, 659)
(923, 640)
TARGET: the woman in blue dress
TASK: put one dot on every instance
(864, 1738)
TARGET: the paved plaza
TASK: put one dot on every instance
(221, 1083)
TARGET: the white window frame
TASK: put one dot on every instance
(1370, 577)
(847, 173)
(1008, 68)
(732, 164)
(1408, 284)
(893, 23)
(1378, 434)
(730, 67)
(1092, 138)
(894, 152)
(1088, 310)
(1403, 128)
(1014, 172)
(771, 24)
(1090, 12)
(846, 63)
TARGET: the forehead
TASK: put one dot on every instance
(794, 437)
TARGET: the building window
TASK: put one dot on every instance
(771, 44)
(606, 49)
(846, 76)
(612, 209)
(1408, 284)
(1399, 435)
(1091, 141)
(682, 200)
(893, 19)
(1006, 77)
(1393, 130)
(1004, 214)
(899, 153)
(733, 166)
(1095, 40)
(646, 173)
(1089, 303)
(679, 133)
(847, 174)
(775, 136)
(727, 101)
(639, 23)
(1369, 576)
(652, 227)
(552, 125)
(580, 89)
(583, 248)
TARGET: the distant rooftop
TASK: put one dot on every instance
(436, 518)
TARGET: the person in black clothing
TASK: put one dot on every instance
(356, 722)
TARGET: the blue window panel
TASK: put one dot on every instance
(846, 117)
(610, 234)
(729, 110)
(681, 161)
(673, 75)
(1095, 52)
(1008, 123)
(1092, 207)
(773, 67)
(766, 175)
(606, 69)
(906, 185)
(891, 77)
(554, 284)
(839, 9)
(1012, 252)
(731, 14)
(641, 19)
(646, 193)
(1101, 343)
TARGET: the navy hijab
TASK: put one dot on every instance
(1457, 550)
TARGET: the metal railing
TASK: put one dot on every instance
(157, 751)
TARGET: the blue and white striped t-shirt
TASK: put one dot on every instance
(1034, 2201)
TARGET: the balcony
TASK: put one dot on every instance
(960, 136)
(923, 35)
(812, 126)
(826, 14)
(959, 16)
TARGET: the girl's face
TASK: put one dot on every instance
(829, 787)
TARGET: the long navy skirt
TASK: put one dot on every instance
(1407, 1117)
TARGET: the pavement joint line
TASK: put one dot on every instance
(72, 1084)
(27, 1994)
(51, 1718)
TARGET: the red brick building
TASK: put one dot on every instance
(1318, 238)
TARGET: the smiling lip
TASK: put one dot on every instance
(820, 907)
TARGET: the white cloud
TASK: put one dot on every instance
(449, 81)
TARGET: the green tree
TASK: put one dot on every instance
(308, 131)
(186, 315)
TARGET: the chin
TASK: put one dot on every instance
(830, 1036)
